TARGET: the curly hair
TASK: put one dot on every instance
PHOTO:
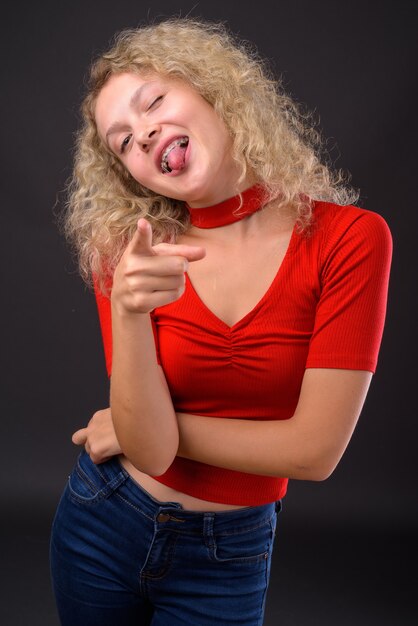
(273, 139)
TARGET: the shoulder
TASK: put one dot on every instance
(334, 224)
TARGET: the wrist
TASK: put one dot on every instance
(121, 311)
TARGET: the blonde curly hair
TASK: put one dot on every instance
(272, 138)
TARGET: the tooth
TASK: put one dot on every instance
(183, 141)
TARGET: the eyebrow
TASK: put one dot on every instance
(136, 97)
(114, 128)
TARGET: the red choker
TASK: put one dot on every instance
(228, 211)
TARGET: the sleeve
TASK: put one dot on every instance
(351, 311)
(105, 319)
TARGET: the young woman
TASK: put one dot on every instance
(242, 300)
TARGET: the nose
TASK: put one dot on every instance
(146, 135)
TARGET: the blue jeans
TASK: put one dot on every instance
(119, 557)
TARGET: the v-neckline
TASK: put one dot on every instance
(259, 304)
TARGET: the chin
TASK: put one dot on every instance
(195, 193)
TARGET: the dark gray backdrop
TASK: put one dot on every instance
(344, 543)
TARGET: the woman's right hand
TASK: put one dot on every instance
(146, 277)
(150, 276)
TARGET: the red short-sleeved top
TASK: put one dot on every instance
(325, 308)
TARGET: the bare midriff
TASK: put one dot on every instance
(163, 493)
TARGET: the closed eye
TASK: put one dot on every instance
(154, 102)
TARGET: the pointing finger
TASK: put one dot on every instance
(141, 242)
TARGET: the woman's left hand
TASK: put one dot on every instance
(99, 437)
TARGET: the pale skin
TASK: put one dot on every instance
(231, 268)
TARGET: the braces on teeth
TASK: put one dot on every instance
(183, 141)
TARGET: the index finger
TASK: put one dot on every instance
(141, 242)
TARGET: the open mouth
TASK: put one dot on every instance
(173, 157)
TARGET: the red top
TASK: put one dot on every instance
(325, 308)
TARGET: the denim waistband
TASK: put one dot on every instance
(173, 513)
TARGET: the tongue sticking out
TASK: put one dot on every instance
(176, 157)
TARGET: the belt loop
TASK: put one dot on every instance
(111, 471)
(208, 519)
(112, 475)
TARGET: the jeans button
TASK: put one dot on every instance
(163, 517)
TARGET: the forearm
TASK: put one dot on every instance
(143, 415)
(307, 446)
(269, 448)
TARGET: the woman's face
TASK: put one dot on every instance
(168, 137)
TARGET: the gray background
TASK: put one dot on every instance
(343, 545)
